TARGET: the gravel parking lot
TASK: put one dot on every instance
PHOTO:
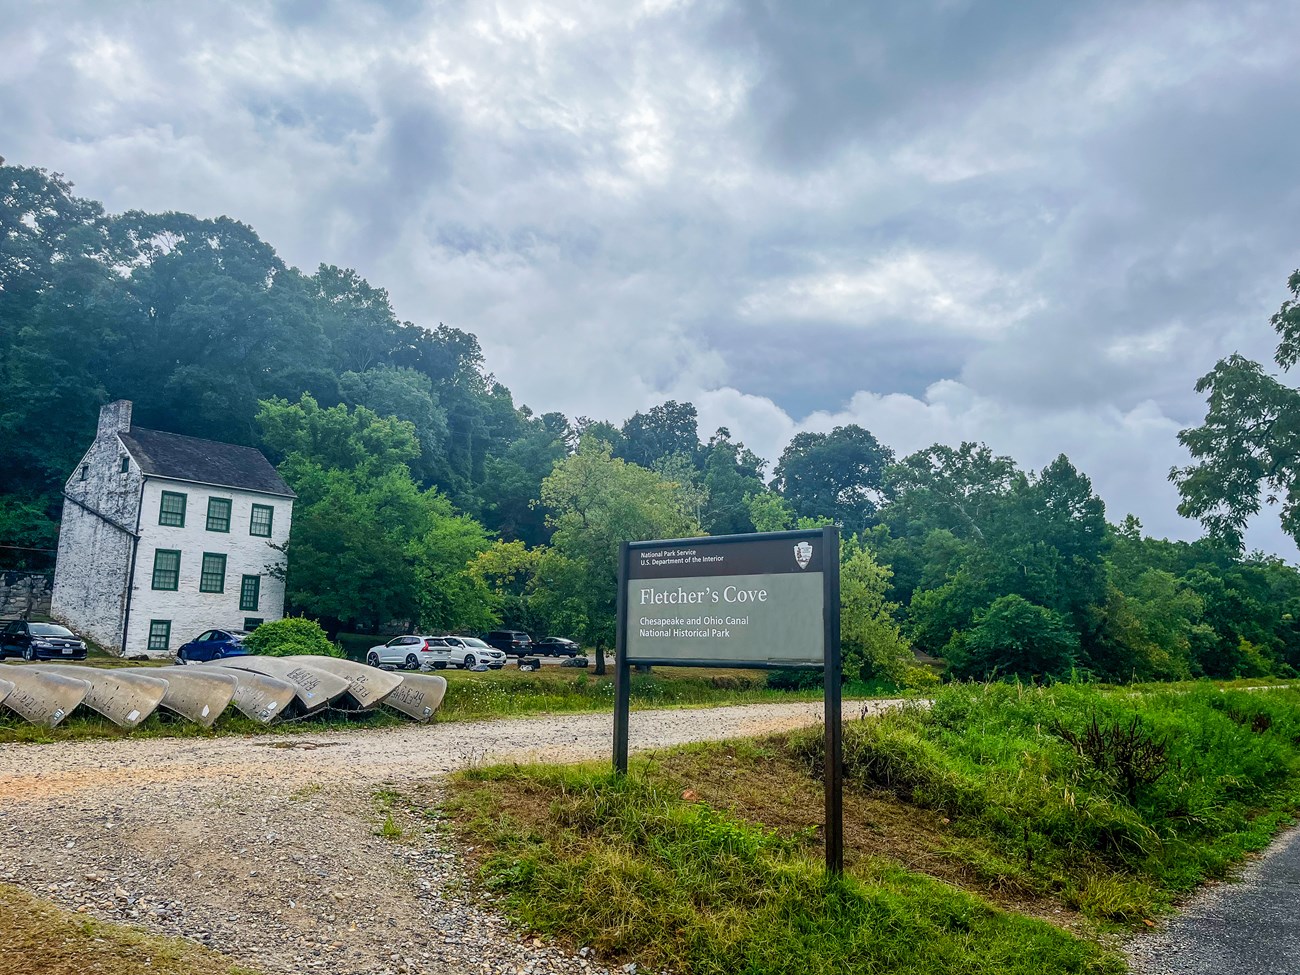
(267, 848)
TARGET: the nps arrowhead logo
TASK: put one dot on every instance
(803, 554)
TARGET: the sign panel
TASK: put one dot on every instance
(769, 600)
(755, 599)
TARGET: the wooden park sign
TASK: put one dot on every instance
(756, 601)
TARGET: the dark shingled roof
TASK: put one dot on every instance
(205, 461)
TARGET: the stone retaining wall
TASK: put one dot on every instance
(24, 593)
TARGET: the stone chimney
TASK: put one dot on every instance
(115, 417)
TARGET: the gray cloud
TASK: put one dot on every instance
(1033, 224)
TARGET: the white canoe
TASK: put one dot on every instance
(43, 699)
(123, 697)
(314, 688)
(419, 696)
(367, 686)
(198, 697)
(260, 697)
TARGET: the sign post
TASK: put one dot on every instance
(766, 601)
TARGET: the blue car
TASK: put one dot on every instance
(213, 645)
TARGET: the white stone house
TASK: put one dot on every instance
(165, 536)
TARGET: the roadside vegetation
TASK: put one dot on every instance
(1003, 829)
(38, 936)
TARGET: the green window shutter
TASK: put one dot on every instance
(212, 577)
(160, 634)
(250, 592)
(166, 569)
(218, 514)
(171, 511)
(260, 522)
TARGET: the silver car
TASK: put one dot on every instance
(469, 652)
(413, 653)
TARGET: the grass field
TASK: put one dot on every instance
(36, 936)
(1003, 829)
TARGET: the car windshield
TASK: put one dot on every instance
(477, 644)
(49, 629)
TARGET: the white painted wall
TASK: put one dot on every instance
(94, 556)
(190, 611)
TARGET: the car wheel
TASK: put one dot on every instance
(372, 659)
(218, 653)
(469, 661)
(412, 662)
(29, 652)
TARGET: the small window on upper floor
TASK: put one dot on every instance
(126, 463)
(85, 471)
(218, 514)
(171, 510)
(260, 520)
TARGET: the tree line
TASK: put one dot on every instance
(429, 498)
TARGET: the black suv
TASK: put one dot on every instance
(510, 641)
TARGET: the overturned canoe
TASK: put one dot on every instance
(419, 695)
(313, 688)
(260, 697)
(123, 697)
(198, 697)
(367, 686)
(43, 699)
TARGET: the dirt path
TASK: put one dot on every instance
(266, 848)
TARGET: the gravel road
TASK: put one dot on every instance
(1251, 926)
(266, 849)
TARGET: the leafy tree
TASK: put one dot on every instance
(679, 469)
(838, 475)
(595, 501)
(348, 547)
(406, 395)
(515, 477)
(870, 640)
(1248, 448)
(355, 440)
(732, 474)
(1013, 637)
(367, 544)
(668, 429)
(448, 595)
(960, 490)
(769, 511)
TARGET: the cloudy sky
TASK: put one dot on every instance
(1029, 224)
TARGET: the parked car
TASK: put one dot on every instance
(212, 645)
(510, 641)
(412, 653)
(556, 646)
(469, 652)
(41, 641)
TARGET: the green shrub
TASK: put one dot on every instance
(289, 637)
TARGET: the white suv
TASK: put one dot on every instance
(469, 652)
(413, 653)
